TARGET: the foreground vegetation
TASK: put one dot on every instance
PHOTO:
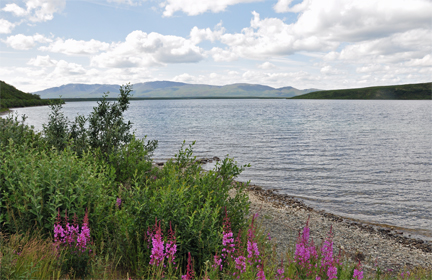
(400, 92)
(11, 97)
(82, 199)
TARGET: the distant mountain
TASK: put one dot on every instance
(78, 90)
(421, 91)
(166, 89)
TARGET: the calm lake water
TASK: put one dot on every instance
(369, 160)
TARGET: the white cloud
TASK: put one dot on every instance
(42, 61)
(6, 26)
(282, 6)
(142, 50)
(267, 65)
(329, 70)
(198, 35)
(356, 20)
(184, 78)
(37, 10)
(425, 61)
(15, 9)
(193, 7)
(68, 68)
(272, 37)
(372, 68)
(128, 2)
(43, 10)
(73, 47)
(221, 55)
(23, 42)
(399, 47)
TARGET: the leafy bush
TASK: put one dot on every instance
(56, 132)
(35, 184)
(192, 200)
(108, 136)
(13, 128)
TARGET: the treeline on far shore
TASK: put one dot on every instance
(11, 97)
(421, 91)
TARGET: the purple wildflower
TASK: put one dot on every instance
(280, 271)
(118, 202)
(260, 274)
(171, 246)
(358, 275)
(332, 272)
(190, 273)
(217, 262)
(157, 252)
(241, 263)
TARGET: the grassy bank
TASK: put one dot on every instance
(81, 199)
(400, 92)
(10, 97)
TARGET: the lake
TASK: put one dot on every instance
(369, 160)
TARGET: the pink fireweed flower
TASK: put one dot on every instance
(252, 248)
(241, 264)
(190, 273)
(157, 252)
(118, 202)
(305, 250)
(260, 274)
(171, 246)
(217, 262)
(84, 236)
(228, 243)
(227, 238)
(358, 275)
(70, 234)
(332, 272)
(280, 271)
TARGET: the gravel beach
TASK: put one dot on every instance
(283, 217)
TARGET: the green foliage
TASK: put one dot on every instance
(132, 159)
(20, 133)
(56, 132)
(10, 92)
(73, 167)
(107, 129)
(402, 92)
(192, 200)
(11, 97)
(35, 184)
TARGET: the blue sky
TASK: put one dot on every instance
(303, 43)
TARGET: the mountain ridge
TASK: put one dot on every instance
(168, 89)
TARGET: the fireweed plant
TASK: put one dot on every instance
(143, 222)
(75, 243)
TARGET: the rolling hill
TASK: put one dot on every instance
(166, 89)
(421, 91)
(11, 97)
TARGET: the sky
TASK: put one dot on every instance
(322, 44)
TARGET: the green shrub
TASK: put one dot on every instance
(35, 184)
(193, 201)
(20, 133)
(56, 132)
